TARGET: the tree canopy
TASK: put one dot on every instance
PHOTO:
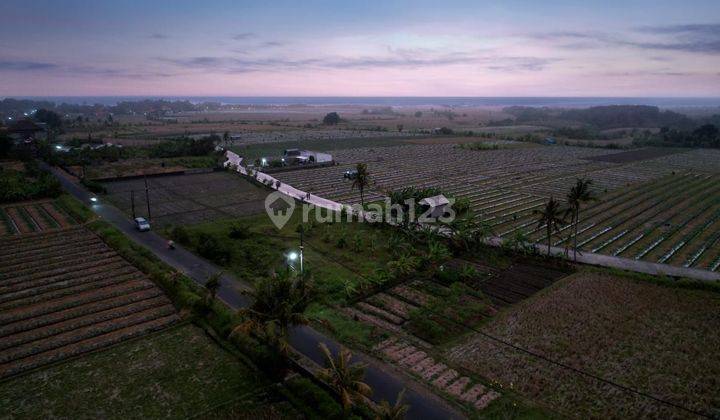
(331, 118)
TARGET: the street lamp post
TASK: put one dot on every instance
(301, 251)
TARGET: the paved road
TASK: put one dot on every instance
(304, 339)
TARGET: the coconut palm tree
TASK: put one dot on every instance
(279, 302)
(385, 411)
(437, 253)
(469, 231)
(361, 181)
(579, 194)
(344, 377)
(551, 217)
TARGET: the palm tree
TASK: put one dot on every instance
(213, 285)
(469, 231)
(551, 217)
(579, 194)
(361, 181)
(279, 302)
(385, 411)
(344, 377)
(437, 253)
(404, 265)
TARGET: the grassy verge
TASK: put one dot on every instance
(342, 257)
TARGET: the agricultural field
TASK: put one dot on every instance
(187, 199)
(176, 373)
(64, 293)
(143, 166)
(649, 338)
(273, 123)
(465, 293)
(658, 205)
(33, 216)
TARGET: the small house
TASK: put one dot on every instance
(437, 205)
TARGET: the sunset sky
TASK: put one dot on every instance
(359, 48)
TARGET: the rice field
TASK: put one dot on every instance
(654, 340)
(652, 205)
(188, 199)
(64, 293)
(33, 216)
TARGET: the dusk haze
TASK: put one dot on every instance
(346, 210)
(348, 48)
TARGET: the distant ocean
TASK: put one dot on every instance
(399, 101)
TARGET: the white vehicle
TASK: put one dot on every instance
(141, 224)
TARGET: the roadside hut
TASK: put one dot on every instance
(437, 204)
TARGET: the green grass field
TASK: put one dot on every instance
(342, 257)
(179, 372)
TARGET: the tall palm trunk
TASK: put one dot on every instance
(362, 197)
(549, 236)
(577, 222)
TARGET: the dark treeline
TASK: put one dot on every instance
(15, 108)
(602, 117)
(706, 135)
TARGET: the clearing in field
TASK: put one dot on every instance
(188, 199)
(176, 373)
(65, 293)
(655, 339)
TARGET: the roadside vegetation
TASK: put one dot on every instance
(27, 181)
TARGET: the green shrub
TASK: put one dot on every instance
(239, 231)
(27, 185)
(208, 246)
(180, 234)
(94, 186)
(313, 400)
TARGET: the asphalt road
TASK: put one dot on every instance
(385, 382)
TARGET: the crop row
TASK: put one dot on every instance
(32, 217)
(57, 300)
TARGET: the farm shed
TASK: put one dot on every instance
(437, 204)
(297, 156)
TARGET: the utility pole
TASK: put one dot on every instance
(147, 199)
(132, 202)
(302, 229)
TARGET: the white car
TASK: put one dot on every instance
(141, 224)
